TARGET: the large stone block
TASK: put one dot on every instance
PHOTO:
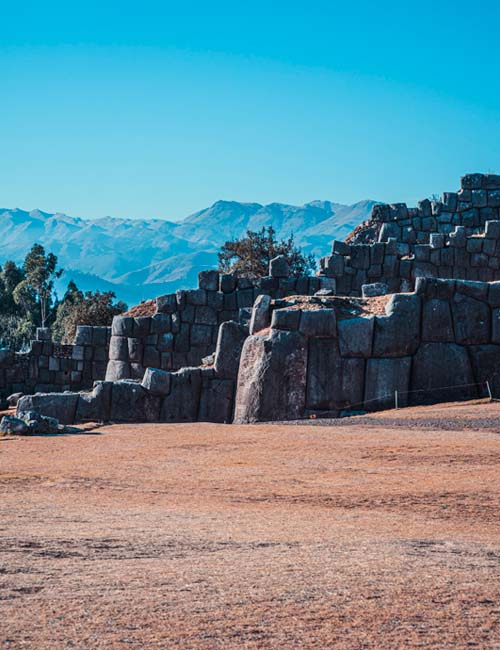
(272, 378)
(318, 322)
(216, 401)
(486, 366)
(55, 405)
(166, 304)
(117, 370)
(118, 348)
(261, 315)
(278, 267)
(208, 280)
(156, 381)
(397, 334)
(441, 372)
(383, 378)
(122, 326)
(356, 336)
(83, 335)
(130, 402)
(437, 321)
(182, 404)
(95, 405)
(471, 320)
(135, 350)
(285, 319)
(230, 341)
(333, 382)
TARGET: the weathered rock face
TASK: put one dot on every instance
(442, 372)
(61, 406)
(230, 341)
(272, 378)
(130, 402)
(383, 378)
(182, 404)
(95, 406)
(398, 333)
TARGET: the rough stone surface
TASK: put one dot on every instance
(398, 332)
(61, 406)
(272, 378)
(157, 381)
(383, 378)
(182, 404)
(441, 372)
(228, 351)
(356, 336)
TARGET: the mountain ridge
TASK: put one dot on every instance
(142, 258)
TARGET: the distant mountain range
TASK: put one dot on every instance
(140, 259)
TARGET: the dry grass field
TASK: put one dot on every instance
(379, 531)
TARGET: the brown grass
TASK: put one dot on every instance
(373, 533)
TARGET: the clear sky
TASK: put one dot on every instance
(158, 109)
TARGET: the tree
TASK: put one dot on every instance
(250, 255)
(90, 308)
(41, 270)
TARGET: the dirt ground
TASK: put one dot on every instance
(373, 532)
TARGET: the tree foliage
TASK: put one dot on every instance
(40, 271)
(250, 255)
(28, 301)
(91, 308)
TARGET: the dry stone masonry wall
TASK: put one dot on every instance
(51, 367)
(283, 348)
(458, 237)
(185, 327)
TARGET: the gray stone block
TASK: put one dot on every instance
(383, 378)
(261, 315)
(135, 350)
(130, 402)
(117, 370)
(230, 341)
(398, 332)
(166, 304)
(166, 342)
(83, 335)
(118, 349)
(441, 372)
(374, 289)
(318, 322)
(201, 334)
(182, 404)
(141, 326)
(100, 335)
(485, 361)
(285, 319)
(278, 267)
(227, 282)
(208, 280)
(55, 405)
(356, 336)
(197, 297)
(436, 240)
(122, 326)
(216, 401)
(471, 320)
(95, 405)
(156, 381)
(332, 381)
(492, 229)
(437, 322)
(272, 378)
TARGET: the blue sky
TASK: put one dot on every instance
(154, 110)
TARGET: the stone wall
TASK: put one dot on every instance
(318, 357)
(440, 343)
(458, 237)
(51, 367)
(185, 327)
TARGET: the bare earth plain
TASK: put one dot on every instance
(377, 531)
